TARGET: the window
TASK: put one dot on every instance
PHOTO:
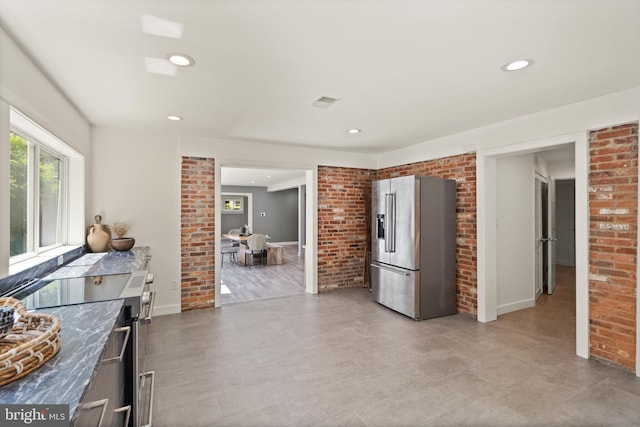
(37, 181)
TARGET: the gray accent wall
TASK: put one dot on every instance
(274, 212)
(234, 220)
(565, 222)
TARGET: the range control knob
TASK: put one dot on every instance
(149, 278)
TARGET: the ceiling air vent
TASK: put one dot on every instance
(324, 102)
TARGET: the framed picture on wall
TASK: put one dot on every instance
(232, 204)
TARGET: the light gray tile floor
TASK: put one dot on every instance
(340, 359)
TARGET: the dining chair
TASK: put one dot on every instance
(231, 248)
(234, 231)
(256, 245)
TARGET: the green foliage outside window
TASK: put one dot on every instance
(18, 194)
(49, 166)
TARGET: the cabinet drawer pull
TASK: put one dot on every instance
(123, 409)
(151, 374)
(97, 404)
(127, 331)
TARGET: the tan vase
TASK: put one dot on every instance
(99, 236)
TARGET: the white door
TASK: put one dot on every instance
(539, 239)
(551, 238)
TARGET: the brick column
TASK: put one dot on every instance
(197, 239)
(613, 237)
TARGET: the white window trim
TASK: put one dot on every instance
(72, 231)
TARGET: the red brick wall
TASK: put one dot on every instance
(344, 196)
(197, 240)
(613, 237)
(462, 168)
(344, 199)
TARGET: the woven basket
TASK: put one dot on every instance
(34, 339)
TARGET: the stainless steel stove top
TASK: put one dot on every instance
(51, 293)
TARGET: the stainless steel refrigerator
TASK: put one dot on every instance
(413, 254)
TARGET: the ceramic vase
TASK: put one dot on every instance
(99, 236)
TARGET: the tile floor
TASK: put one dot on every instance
(339, 359)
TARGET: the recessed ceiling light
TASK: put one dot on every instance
(180, 59)
(174, 118)
(517, 65)
(268, 176)
(354, 131)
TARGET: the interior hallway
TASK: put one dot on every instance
(339, 359)
(553, 319)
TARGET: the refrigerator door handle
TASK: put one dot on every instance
(391, 269)
(390, 223)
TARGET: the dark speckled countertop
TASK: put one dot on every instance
(85, 329)
(65, 378)
(103, 264)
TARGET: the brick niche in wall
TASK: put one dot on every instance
(343, 194)
(197, 239)
(462, 168)
(613, 237)
(344, 199)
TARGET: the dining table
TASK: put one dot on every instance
(274, 252)
(236, 237)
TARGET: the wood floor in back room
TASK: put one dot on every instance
(240, 283)
(340, 359)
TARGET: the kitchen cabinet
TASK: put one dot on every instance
(105, 402)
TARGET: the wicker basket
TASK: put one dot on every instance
(34, 339)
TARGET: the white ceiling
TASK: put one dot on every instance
(404, 71)
(270, 178)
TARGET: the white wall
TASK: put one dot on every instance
(136, 179)
(562, 170)
(515, 232)
(25, 87)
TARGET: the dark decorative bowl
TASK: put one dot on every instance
(123, 244)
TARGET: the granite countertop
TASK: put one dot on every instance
(104, 264)
(85, 329)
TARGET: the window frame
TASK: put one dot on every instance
(39, 139)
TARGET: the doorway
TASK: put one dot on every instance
(490, 258)
(274, 207)
(274, 214)
(551, 318)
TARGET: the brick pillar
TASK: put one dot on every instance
(462, 168)
(197, 239)
(613, 237)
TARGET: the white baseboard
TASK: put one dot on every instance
(515, 306)
(161, 310)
